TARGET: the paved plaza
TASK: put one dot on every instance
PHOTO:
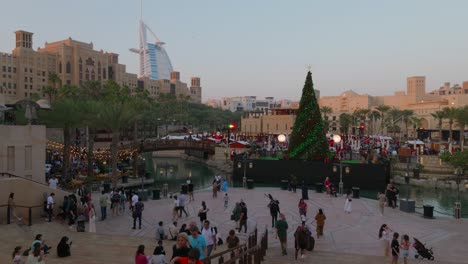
(352, 234)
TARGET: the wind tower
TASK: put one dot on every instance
(154, 61)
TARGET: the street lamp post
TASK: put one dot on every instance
(281, 139)
(244, 164)
(337, 139)
(136, 161)
(407, 179)
(457, 212)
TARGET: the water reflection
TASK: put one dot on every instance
(175, 172)
(442, 199)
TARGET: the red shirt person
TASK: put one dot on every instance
(192, 258)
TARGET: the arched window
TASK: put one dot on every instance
(60, 67)
(99, 68)
(87, 74)
(104, 73)
(68, 69)
(93, 77)
(80, 65)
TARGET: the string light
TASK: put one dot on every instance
(103, 154)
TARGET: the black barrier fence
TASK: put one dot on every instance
(272, 172)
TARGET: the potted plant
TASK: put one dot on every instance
(417, 169)
(459, 159)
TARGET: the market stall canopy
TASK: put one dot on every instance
(415, 142)
(239, 144)
(4, 108)
(382, 137)
(169, 137)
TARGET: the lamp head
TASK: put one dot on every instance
(337, 138)
(281, 138)
(347, 170)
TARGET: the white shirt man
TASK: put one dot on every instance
(173, 231)
(134, 199)
(210, 237)
(218, 178)
(50, 205)
(53, 183)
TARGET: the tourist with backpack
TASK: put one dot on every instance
(137, 211)
(115, 202)
(274, 211)
(103, 200)
(281, 233)
(209, 233)
(301, 239)
(123, 199)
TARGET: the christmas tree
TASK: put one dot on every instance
(308, 139)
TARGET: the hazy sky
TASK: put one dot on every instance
(264, 47)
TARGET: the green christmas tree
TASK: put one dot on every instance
(308, 139)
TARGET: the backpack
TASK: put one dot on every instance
(123, 197)
(115, 198)
(214, 231)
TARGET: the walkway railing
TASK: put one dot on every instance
(9, 175)
(9, 211)
(251, 252)
(161, 144)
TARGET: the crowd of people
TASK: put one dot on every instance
(197, 241)
(39, 250)
(194, 243)
(391, 245)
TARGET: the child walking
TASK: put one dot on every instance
(405, 246)
(226, 201)
(395, 248)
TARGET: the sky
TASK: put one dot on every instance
(265, 47)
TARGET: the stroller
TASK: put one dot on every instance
(80, 223)
(333, 190)
(422, 251)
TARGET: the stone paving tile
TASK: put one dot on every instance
(354, 233)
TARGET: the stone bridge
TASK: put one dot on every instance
(162, 144)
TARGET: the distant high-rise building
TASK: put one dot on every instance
(25, 72)
(154, 61)
(416, 86)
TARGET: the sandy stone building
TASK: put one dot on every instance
(25, 71)
(22, 151)
(415, 98)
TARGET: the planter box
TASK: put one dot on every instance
(407, 206)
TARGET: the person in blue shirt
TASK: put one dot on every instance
(198, 241)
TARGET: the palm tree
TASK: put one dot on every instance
(383, 109)
(373, 116)
(65, 113)
(406, 117)
(90, 93)
(439, 116)
(461, 117)
(142, 102)
(450, 114)
(345, 122)
(51, 90)
(363, 114)
(394, 115)
(416, 123)
(326, 110)
(118, 110)
(54, 80)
